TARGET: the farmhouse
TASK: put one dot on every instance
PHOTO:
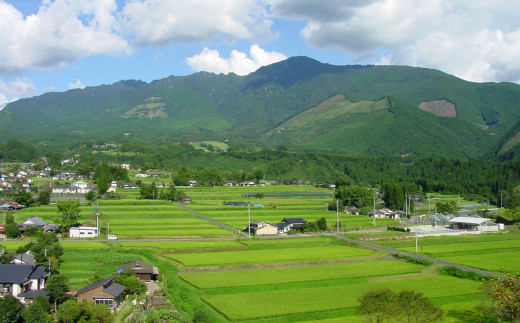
(289, 224)
(74, 188)
(105, 291)
(129, 185)
(112, 187)
(351, 210)
(230, 183)
(83, 232)
(142, 270)
(260, 228)
(16, 280)
(35, 221)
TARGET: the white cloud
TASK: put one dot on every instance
(10, 92)
(77, 85)
(158, 22)
(61, 32)
(238, 62)
(475, 40)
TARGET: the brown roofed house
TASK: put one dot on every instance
(142, 270)
(105, 291)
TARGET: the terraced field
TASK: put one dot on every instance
(285, 280)
(495, 252)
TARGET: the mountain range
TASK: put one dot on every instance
(298, 103)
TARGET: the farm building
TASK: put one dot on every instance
(105, 291)
(142, 270)
(474, 224)
(260, 228)
(83, 232)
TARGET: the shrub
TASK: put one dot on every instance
(412, 260)
(459, 273)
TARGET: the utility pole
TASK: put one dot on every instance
(374, 212)
(337, 216)
(416, 243)
(500, 204)
(97, 218)
(249, 219)
(429, 206)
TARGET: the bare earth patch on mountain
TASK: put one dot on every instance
(441, 108)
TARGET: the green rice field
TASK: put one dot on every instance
(255, 305)
(495, 252)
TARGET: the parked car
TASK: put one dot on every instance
(112, 237)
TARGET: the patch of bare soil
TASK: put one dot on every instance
(441, 108)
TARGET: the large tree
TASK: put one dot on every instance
(505, 296)
(69, 211)
(381, 305)
(377, 305)
(351, 195)
(11, 310)
(58, 286)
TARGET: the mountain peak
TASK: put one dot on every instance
(287, 72)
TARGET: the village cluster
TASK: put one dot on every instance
(25, 281)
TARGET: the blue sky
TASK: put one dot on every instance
(56, 45)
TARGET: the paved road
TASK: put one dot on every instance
(222, 225)
(437, 261)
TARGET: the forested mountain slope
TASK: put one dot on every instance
(299, 102)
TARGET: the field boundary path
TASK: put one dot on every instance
(220, 224)
(437, 261)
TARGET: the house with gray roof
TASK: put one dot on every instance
(141, 269)
(25, 258)
(18, 279)
(35, 221)
(105, 291)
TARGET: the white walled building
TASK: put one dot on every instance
(83, 232)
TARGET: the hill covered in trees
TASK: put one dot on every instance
(298, 103)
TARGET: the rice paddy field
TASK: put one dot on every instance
(495, 252)
(290, 279)
(287, 281)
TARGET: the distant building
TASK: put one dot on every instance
(260, 228)
(141, 269)
(83, 232)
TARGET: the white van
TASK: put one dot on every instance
(112, 237)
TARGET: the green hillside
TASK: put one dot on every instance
(379, 128)
(298, 103)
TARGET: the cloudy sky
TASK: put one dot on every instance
(56, 45)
